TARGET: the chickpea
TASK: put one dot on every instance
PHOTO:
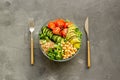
(71, 46)
(67, 42)
(75, 49)
(66, 50)
(68, 55)
(63, 55)
(73, 52)
(67, 45)
(64, 47)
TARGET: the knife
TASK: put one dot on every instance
(88, 43)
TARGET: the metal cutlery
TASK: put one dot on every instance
(31, 29)
(88, 43)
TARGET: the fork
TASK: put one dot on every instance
(31, 29)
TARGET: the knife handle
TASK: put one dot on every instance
(32, 51)
(88, 54)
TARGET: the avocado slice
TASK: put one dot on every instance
(74, 40)
(77, 45)
(70, 35)
(72, 25)
(72, 28)
(71, 31)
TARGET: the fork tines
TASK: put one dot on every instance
(31, 22)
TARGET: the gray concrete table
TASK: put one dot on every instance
(104, 24)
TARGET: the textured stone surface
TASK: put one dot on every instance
(104, 16)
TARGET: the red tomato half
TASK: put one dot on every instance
(63, 32)
(60, 23)
(51, 25)
(67, 24)
(56, 30)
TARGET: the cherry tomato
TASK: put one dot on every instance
(67, 24)
(56, 30)
(60, 23)
(51, 25)
(63, 32)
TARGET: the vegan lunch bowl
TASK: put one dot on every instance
(60, 40)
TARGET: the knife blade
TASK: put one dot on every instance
(88, 43)
(86, 28)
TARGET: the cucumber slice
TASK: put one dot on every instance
(43, 27)
(48, 31)
(59, 39)
(50, 35)
(41, 35)
(44, 30)
(55, 38)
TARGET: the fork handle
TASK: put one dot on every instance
(88, 54)
(32, 51)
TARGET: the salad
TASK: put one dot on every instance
(60, 39)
